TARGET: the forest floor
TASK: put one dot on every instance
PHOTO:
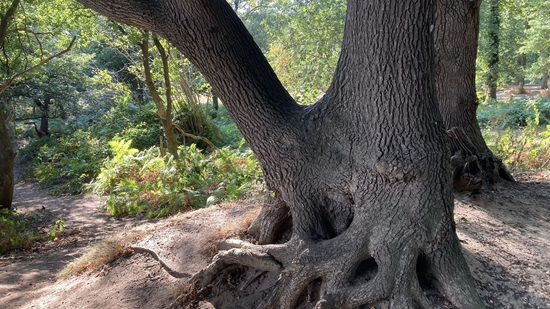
(505, 234)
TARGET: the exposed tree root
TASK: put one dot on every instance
(471, 167)
(155, 256)
(301, 263)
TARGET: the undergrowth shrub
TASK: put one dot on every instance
(513, 112)
(144, 182)
(64, 165)
(128, 122)
(522, 148)
(229, 134)
(14, 231)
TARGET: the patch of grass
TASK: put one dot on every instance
(102, 254)
(233, 228)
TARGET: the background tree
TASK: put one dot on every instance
(364, 171)
(537, 41)
(456, 40)
(7, 155)
(493, 46)
(17, 59)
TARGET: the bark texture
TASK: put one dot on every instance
(7, 157)
(494, 46)
(456, 36)
(363, 173)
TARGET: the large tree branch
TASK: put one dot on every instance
(214, 39)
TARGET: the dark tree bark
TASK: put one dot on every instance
(7, 157)
(544, 84)
(521, 78)
(456, 36)
(494, 46)
(364, 172)
(44, 106)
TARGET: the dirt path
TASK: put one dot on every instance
(505, 235)
(532, 91)
(23, 274)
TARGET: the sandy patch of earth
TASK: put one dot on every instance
(505, 233)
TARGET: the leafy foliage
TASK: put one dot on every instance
(144, 182)
(64, 165)
(514, 132)
(305, 44)
(514, 112)
(13, 231)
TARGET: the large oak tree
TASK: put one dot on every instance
(364, 171)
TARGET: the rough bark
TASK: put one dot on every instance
(364, 172)
(44, 106)
(544, 84)
(494, 42)
(7, 157)
(456, 36)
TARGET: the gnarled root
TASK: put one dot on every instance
(472, 167)
(336, 262)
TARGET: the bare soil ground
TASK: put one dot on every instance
(505, 233)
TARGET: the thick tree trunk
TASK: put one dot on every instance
(364, 172)
(7, 157)
(456, 36)
(544, 84)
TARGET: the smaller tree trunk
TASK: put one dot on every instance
(7, 157)
(215, 104)
(494, 41)
(164, 112)
(455, 39)
(171, 139)
(44, 118)
(521, 78)
(544, 84)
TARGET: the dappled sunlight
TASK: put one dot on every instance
(506, 234)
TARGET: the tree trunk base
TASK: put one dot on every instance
(472, 169)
